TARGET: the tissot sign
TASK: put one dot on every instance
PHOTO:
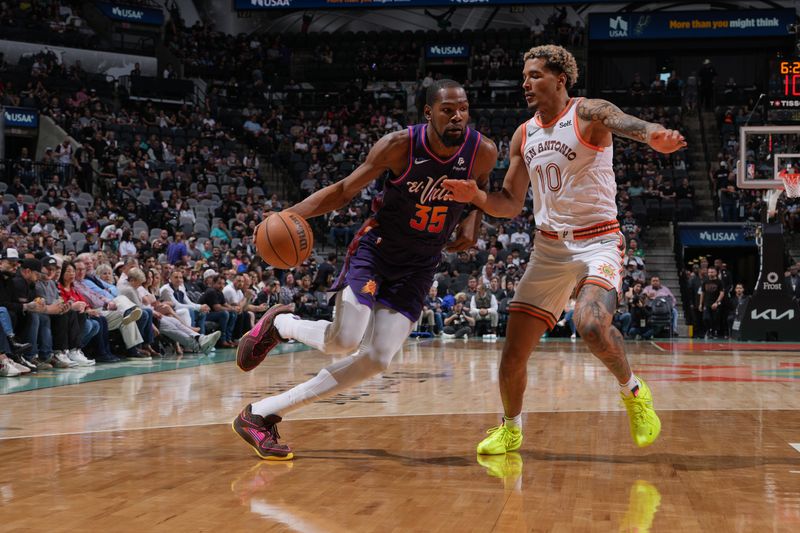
(21, 117)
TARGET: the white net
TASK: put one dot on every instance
(791, 183)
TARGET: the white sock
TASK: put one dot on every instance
(309, 332)
(303, 394)
(627, 388)
(513, 422)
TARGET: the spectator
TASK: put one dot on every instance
(459, 323)
(657, 290)
(712, 294)
(221, 312)
(736, 310)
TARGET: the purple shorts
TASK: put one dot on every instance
(391, 283)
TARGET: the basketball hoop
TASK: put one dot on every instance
(791, 185)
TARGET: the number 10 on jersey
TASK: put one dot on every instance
(551, 174)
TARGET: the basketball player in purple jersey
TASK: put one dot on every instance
(390, 263)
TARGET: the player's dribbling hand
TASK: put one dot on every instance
(461, 190)
(666, 141)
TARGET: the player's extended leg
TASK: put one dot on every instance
(594, 311)
(387, 332)
(341, 336)
(522, 336)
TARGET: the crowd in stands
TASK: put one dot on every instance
(50, 22)
(714, 303)
(150, 176)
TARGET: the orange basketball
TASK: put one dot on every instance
(284, 240)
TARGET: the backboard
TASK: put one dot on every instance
(764, 151)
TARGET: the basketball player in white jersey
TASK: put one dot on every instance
(565, 153)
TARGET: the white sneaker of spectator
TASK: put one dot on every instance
(57, 360)
(76, 355)
(21, 368)
(573, 337)
(65, 362)
(6, 367)
(207, 342)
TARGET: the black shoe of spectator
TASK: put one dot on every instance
(18, 347)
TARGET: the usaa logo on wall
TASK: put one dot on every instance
(271, 3)
(619, 27)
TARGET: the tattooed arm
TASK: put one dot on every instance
(604, 118)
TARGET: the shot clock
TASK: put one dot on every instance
(789, 76)
(784, 91)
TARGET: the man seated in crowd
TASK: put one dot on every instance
(483, 308)
(657, 290)
(221, 312)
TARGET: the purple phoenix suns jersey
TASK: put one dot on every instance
(414, 221)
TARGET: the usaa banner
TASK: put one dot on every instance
(21, 117)
(691, 24)
(133, 14)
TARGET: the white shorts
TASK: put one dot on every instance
(557, 268)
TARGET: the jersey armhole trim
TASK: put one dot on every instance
(474, 154)
(583, 141)
(524, 140)
(410, 157)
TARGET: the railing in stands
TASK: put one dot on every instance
(31, 172)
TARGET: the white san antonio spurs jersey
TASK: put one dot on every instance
(573, 182)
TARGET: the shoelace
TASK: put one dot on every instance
(638, 408)
(506, 434)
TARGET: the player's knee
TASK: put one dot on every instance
(372, 363)
(590, 330)
(342, 342)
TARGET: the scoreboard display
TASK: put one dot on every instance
(784, 90)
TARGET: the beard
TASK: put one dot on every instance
(450, 141)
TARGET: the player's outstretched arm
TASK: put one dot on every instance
(389, 153)
(608, 116)
(505, 203)
(468, 229)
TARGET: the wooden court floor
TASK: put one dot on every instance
(155, 452)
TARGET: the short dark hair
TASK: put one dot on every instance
(436, 87)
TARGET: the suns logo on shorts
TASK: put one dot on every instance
(607, 270)
(370, 288)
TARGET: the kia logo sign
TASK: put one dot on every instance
(771, 314)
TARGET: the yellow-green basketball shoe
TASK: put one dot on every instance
(644, 422)
(501, 439)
